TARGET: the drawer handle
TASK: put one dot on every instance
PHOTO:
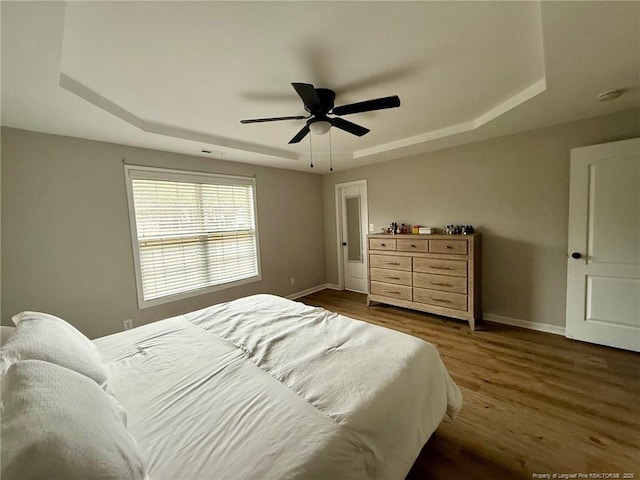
(383, 244)
(441, 300)
(441, 284)
(413, 246)
(391, 263)
(393, 278)
(392, 292)
(448, 247)
(441, 268)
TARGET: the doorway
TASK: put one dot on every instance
(352, 218)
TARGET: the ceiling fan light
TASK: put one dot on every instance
(319, 127)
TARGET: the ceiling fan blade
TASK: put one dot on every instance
(300, 135)
(368, 105)
(348, 126)
(272, 119)
(309, 96)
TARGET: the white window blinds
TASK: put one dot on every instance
(193, 232)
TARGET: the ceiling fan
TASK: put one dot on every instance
(319, 103)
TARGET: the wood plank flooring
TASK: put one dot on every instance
(534, 403)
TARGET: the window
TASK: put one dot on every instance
(192, 233)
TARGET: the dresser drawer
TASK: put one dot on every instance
(397, 277)
(441, 299)
(382, 244)
(455, 247)
(456, 268)
(440, 282)
(404, 245)
(391, 262)
(395, 291)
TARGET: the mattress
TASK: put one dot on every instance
(267, 388)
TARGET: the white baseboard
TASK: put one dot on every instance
(516, 322)
(309, 291)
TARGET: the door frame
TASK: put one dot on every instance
(364, 210)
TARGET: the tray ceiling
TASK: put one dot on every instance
(179, 76)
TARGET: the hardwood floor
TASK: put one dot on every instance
(534, 403)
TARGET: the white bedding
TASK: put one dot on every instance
(267, 388)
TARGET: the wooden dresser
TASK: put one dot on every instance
(433, 273)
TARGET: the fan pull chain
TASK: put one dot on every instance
(330, 153)
(310, 151)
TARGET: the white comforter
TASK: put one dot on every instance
(266, 388)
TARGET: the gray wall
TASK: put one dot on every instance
(514, 189)
(66, 244)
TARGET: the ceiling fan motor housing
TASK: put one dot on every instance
(327, 99)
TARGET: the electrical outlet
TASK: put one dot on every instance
(128, 324)
(371, 227)
(293, 280)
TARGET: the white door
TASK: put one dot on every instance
(352, 234)
(603, 274)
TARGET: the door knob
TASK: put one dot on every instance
(576, 255)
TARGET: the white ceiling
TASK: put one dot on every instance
(179, 76)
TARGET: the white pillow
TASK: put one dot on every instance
(5, 332)
(58, 424)
(40, 336)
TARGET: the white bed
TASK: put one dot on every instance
(267, 388)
